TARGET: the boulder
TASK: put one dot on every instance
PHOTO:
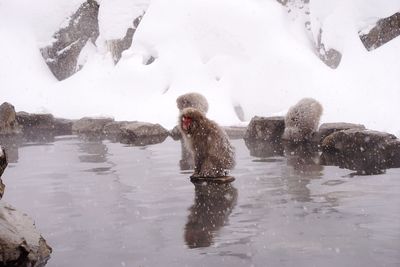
(135, 133)
(365, 151)
(263, 136)
(382, 32)
(20, 242)
(328, 128)
(62, 54)
(32, 124)
(8, 120)
(235, 132)
(90, 126)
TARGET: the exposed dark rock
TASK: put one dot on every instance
(385, 30)
(235, 132)
(135, 133)
(8, 120)
(91, 126)
(263, 136)
(62, 55)
(38, 125)
(331, 57)
(393, 154)
(117, 46)
(365, 151)
(328, 128)
(20, 242)
(3, 165)
(148, 60)
(239, 112)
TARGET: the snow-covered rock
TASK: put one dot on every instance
(62, 54)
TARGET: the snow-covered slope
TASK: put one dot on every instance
(250, 53)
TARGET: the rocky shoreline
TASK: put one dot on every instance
(345, 145)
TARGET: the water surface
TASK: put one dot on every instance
(106, 204)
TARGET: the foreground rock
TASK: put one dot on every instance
(32, 124)
(20, 242)
(263, 136)
(365, 151)
(62, 55)
(8, 120)
(329, 128)
(91, 126)
(136, 133)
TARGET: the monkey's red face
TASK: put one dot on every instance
(186, 122)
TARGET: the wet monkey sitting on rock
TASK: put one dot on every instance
(199, 102)
(209, 144)
(302, 120)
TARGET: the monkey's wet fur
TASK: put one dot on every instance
(302, 120)
(213, 154)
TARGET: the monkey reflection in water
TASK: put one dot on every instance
(305, 162)
(199, 102)
(212, 206)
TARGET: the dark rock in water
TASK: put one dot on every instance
(43, 124)
(235, 132)
(20, 242)
(263, 136)
(364, 151)
(8, 120)
(117, 46)
(3, 165)
(62, 55)
(385, 30)
(393, 154)
(136, 133)
(175, 133)
(91, 126)
(328, 128)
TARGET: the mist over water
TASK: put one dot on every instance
(99, 203)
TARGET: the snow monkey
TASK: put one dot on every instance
(190, 100)
(302, 120)
(209, 144)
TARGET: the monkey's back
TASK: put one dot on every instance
(302, 120)
(304, 115)
(214, 144)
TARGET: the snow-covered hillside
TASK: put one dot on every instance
(251, 53)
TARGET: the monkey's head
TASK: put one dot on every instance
(191, 120)
(192, 100)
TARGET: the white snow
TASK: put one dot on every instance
(250, 53)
